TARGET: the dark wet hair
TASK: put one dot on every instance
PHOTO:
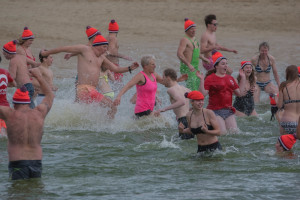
(42, 57)
(291, 74)
(171, 73)
(209, 18)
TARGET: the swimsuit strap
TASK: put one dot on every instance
(193, 41)
(288, 93)
(32, 58)
(203, 117)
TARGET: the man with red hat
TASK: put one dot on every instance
(18, 69)
(209, 43)
(25, 131)
(188, 53)
(113, 47)
(90, 59)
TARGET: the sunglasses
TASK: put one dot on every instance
(215, 24)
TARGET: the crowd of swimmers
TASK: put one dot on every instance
(98, 62)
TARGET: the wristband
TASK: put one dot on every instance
(129, 69)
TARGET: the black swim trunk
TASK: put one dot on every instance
(141, 114)
(184, 136)
(25, 169)
(210, 147)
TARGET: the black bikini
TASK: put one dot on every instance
(198, 130)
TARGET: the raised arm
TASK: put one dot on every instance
(242, 86)
(75, 49)
(201, 86)
(222, 48)
(46, 104)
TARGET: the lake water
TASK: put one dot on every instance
(86, 156)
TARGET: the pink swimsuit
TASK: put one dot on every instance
(146, 95)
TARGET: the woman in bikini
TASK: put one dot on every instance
(203, 123)
(220, 87)
(103, 85)
(289, 100)
(264, 63)
(244, 105)
(25, 42)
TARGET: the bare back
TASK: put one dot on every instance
(291, 109)
(18, 70)
(24, 132)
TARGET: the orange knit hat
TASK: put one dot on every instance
(244, 63)
(287, 141)
(10, 47)
(91, 32)
(27, 34)
(194, 95)
(100, 40)
(188, 24)
(113, 26)
(217, 57)
(21, 96)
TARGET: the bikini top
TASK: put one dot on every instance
(31, 58)
(198, 130)
(290, 100)
(258, 68)
(105, 77)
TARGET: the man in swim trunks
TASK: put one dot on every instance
(90, 58)
(208, 43)
(25, 131)
(113, 47)
(18, 69)
(179, 103)
(188, 53)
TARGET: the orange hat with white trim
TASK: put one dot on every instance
(188, 24)
(27, 34)
(100, 40)
(194, 95)
(217, 57)
(10, 47)
(287, 141)
(113, 26)
(244, 63)
(91, 32)
(21, 96)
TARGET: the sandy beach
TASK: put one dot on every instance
(156, 26)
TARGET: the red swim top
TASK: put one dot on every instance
(145, 99)
(220, 91)
(5, 78)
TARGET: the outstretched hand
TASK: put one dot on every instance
(242, 73)
(200, 75)
(117, 101)
(134, 65)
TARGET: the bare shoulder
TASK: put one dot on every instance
(272, 58)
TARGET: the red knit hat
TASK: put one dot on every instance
(27, 34)
(91, 32)
(299, 71)
(244, 63)
(113, 26)
(217, 57)
(194, 95)
(188, 24)
(21, 96)
(10, 47)
(287, 141)
(100, 40)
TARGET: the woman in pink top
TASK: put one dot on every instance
(146, 86)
